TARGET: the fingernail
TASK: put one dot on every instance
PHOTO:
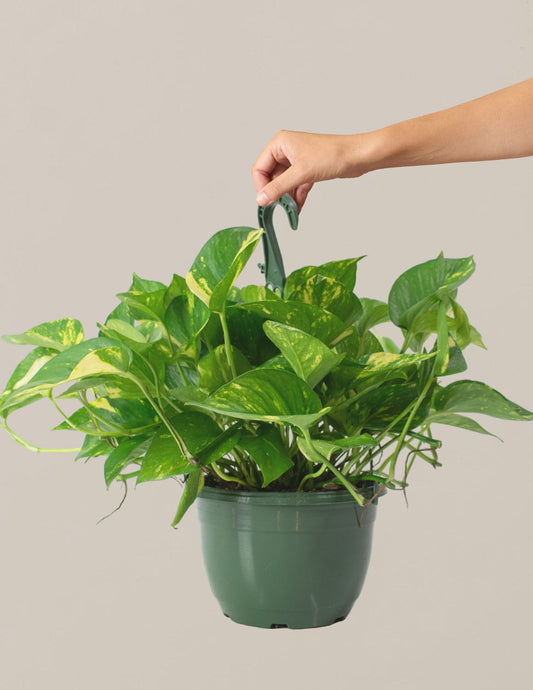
(262, 199)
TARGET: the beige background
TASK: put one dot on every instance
(127, 133)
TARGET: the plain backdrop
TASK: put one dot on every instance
(127, 134)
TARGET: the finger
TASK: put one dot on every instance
(287, 181)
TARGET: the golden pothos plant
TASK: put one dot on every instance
(242, 388)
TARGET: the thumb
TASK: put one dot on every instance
(282, 184)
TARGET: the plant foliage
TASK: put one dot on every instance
(203, 381)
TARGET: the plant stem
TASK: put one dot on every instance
(178, 365)
(407, 342)
(180, 442)
(407, 424)
(311, 475)
(96, 432)
(227, 343)
(226, 478)
(30, 446)
(318, 457)
(83, 399)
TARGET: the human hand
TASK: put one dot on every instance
(293, 161)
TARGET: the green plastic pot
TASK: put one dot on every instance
(285, 560)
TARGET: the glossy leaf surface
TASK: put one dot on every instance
(424, 285)
(270, 454)
(329, 294)
(218, 264)
(57, 335)
(267, 395)
(474, 396)
(310, 359)
(343, 271)
(164, 457)
(193, 487)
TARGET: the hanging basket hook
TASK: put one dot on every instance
(273, 266)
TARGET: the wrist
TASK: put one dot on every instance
(367, 152)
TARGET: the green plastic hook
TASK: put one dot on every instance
(273, 266)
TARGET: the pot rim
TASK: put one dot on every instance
(321, 497)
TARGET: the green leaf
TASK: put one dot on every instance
(308, 356)
(373, 313)
(268, 452)
(457, 420)
(277, 362)
(57, 335)
(377, 408)
(328, 294)
(223, 444)
(214, 368)
(125, 453)
(187, 394)
(258, 293)
(373, 369)
(219, 263)
(145, 305)
(387, 344)
(191, 491)
(94, 357)
(121, 313)
(27, 368)
(142, 285)
(92, 447)
(129, 332)
(307, 317)
(425, 285)
(267, 395)
(442, 356)
(164, 458)
(115, 417)
(343, 271)
(108, 387)
(456, 362)
(329, 448)
(477, 397)
(247, 335)
(311, 449)
(185, 318)
(464, 333)
(147, 341)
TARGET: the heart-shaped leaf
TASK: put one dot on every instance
(343, 271)
(267, 395)
(425, 285)
(308, 356)
(331, 295)
(268, 452)
(164, 457)
(214, 368)
(306, 317)
(474, 396)
(219, 263)
(57, 335)
(126, 452)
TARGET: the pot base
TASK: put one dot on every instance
(259, 620)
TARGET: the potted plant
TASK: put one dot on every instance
(288, 415)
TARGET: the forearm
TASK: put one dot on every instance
(498, 125)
